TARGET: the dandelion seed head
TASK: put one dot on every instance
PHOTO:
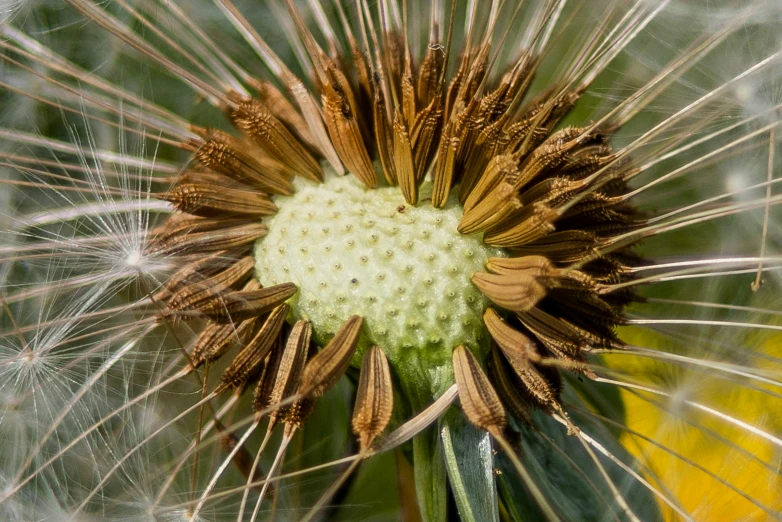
(32, 367)
(745, 93)
(736, 182)
(158, 263)
(133, 259)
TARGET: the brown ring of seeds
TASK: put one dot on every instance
(525, 186)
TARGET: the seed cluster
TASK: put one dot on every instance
(500, 241)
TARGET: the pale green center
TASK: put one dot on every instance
(405, 269)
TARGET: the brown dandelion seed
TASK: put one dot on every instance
(517, 293)
(242, 161)
(200, 269)
(260, 124)
(198, 293)
(479, 401)
(283, 371)
(247, 363)
(236, 306)
(224, 236)
(208, 200)
(339, 108)
(323, 371)
(374, 399)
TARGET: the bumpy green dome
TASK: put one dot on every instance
(405, 269)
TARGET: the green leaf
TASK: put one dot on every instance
(470, 465)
